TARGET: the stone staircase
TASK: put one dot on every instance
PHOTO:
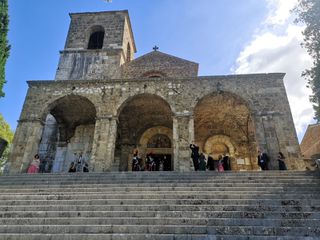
(161, 206)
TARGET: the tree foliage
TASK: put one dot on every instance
(4, 46)
(308, 12)
(7, 134)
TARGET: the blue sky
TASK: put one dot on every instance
(219, 35)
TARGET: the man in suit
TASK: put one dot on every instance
(195, 155)
(263, 160)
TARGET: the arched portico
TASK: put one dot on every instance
(223, 125)
(138, 117)
(68, 130)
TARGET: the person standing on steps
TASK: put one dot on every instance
(72, 167)
(80, 161)
(282, 164)
(210, 164)
(226, 162)
(202, 162)
(195, 155)
(263, 160)
(220, 164)
(34, 166)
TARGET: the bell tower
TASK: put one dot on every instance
(97, 45)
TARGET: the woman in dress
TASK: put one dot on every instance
(34, 166)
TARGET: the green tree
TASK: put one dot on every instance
(7, 134)
(4, 46)
(308, 13)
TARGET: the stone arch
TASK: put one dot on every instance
(158, 151)
(154, 74)
(87, 106)
(128, 99)
(148, 134)
(242, 98)
(229, 115)
(69, 128)
(219, 139)
(136, 115)
(96, 37)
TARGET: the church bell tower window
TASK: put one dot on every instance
(96, 40)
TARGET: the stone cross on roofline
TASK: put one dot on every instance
(155, 48)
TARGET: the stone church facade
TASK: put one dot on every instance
(104, 103)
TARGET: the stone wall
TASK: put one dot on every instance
(264, 94)
(310, 145)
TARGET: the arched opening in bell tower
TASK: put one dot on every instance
(96, 38)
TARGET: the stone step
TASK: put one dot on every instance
(94, 189)
(163, 221)
(252, 185)
(161, 205)
(172, 207)
(154, 180)
(162, 214)
(163, 229)
(235, 201)
(145, 237)
(35, 178)
(168, 173)
(151, 175)
(156, 175)
(162, 196)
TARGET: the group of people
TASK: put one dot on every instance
(263, 161)
(79, 164)
(200, 163)
(151, 163)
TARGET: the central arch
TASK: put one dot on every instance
(223, 125)
(139, 116)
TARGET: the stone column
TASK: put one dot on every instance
(25, 144)
(60, 157)
(103, 144)
(113, 126)
(183, 134)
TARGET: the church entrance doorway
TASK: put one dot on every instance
(163, 162)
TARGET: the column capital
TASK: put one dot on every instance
(183, 114)
(107, 117)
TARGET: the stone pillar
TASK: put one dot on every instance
(266, 138)
(25, 145)
(288, 142)
(103, 144)
(60, 157)
(183, 135)
(273, 136)
(113, 126)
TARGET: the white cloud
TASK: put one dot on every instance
(278, 49)
(279, 11)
